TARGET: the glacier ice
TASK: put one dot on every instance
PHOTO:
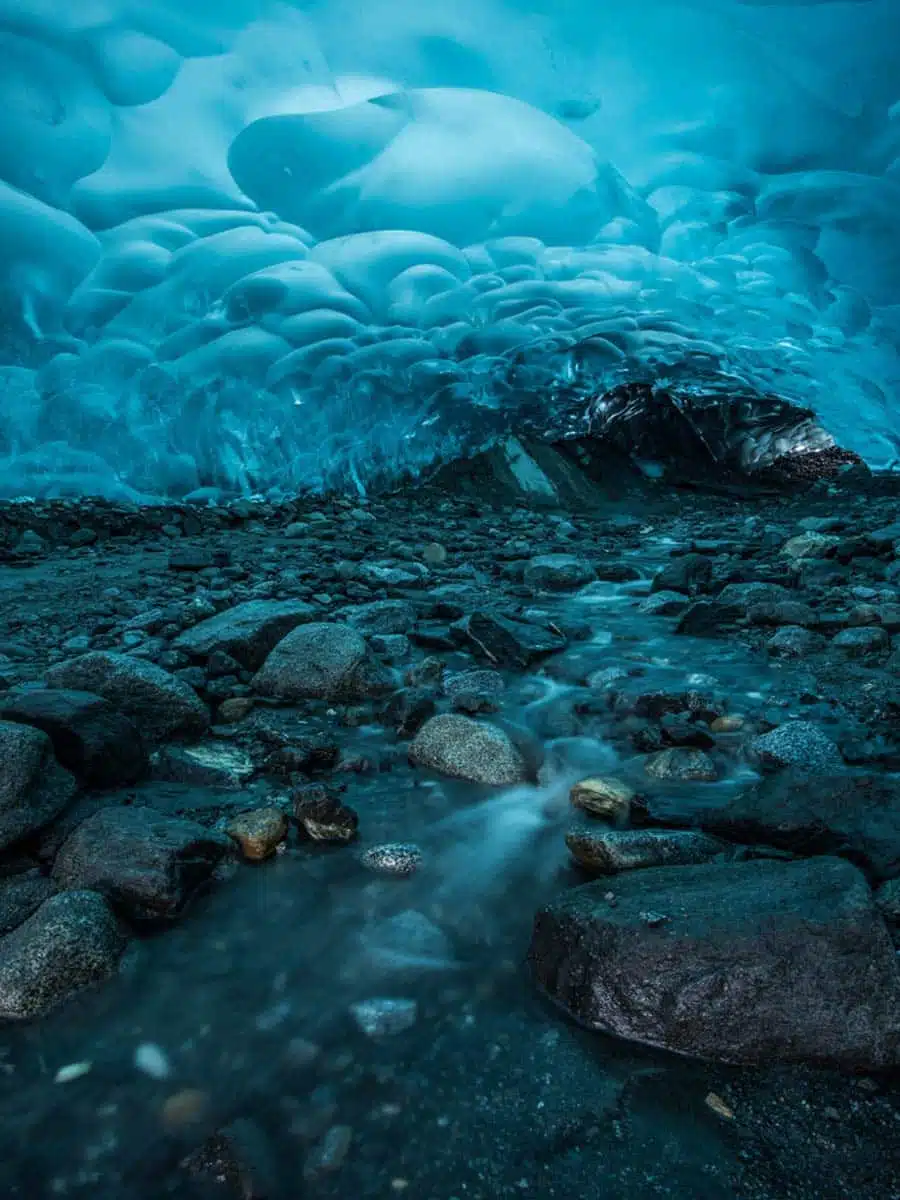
(256, 245)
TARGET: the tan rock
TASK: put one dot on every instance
(258, 832)
(602, 796)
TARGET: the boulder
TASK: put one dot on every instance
(558, 572)
(34, 788)
(796, 744)
(465, 749)
(146, 864)
(248, 632)
(161, 706)
(72, 941)
(511, 643)
(323, 661)
(90, 737)
(754, 962)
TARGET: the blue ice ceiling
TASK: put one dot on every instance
(257, 245)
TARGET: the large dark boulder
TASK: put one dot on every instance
(160, 705)
(90, 737)
(146, 864)
(757, 962)
(248, 632)
(34, 789)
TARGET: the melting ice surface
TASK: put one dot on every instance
(258, 245)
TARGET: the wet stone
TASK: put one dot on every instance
(34, 789)
(475, 691)
(94, 741)
(20, 896)
(610, 799)
(384, 617)
(754, 962)
(323, 661)
(161, 706)
(680, 763)
(686, 574)
(558, 572)
(793, 642)
(611, 851)
(796, 744)
(511, 643)
(146, 864)
(392, 858)
(408, 710)
(862, 642)
(322, 817)
(258, 832)
(664, 604)
(465, 749)
(384, 1017)
(70, 942)
(207, 764)
(247, 632)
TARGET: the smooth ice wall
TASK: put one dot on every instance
(263, 245)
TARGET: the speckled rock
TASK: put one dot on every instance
(862, 641)
(796, 744)
(465, 749)
(72, 941)
(20, 896)
(323, 661)
(161, 706)
(392, 858)
(322, 817)
(34, 789)
(148, 865)
(792, 641)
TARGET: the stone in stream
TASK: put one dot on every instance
(392, 858)
(682, 763)
(511, 643)
(613, 850)
(148, 865)
(465, 749)
(796, 744)
(474, 691)
(322, 817)
(324, 661)
(205, 765)
(599, 796)
(809, 545)
(90, 737)
(684, 574)
(384, 1017)
(664, 604)
(259, 832)
(71, 941)
(862, 642)
(754, 962)
(161, 706)
(856, 816)
(34, 788)
(558, 572)
(792, 641)
(248, 632)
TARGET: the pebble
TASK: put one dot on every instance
(258, 832)
(393, 858)
(603, 797)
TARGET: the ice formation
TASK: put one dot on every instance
(253, 245)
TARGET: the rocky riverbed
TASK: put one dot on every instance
(420, 846)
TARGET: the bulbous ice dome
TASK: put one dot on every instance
(263, 245)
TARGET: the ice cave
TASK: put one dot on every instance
(450, 579)
(257, 247)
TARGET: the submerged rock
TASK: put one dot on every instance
(147, 865)
(72, 941)
(392, 858)
(258, 832)
(322, 817)
(161, 706)
(756, 962)
(682, 763)
(34, 789)
(602, 797)
(323, 661)
(465, 749)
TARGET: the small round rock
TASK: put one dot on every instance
(603, 797)
(258, 832)
(392, 858)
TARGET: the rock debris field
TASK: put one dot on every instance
(414, 847)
